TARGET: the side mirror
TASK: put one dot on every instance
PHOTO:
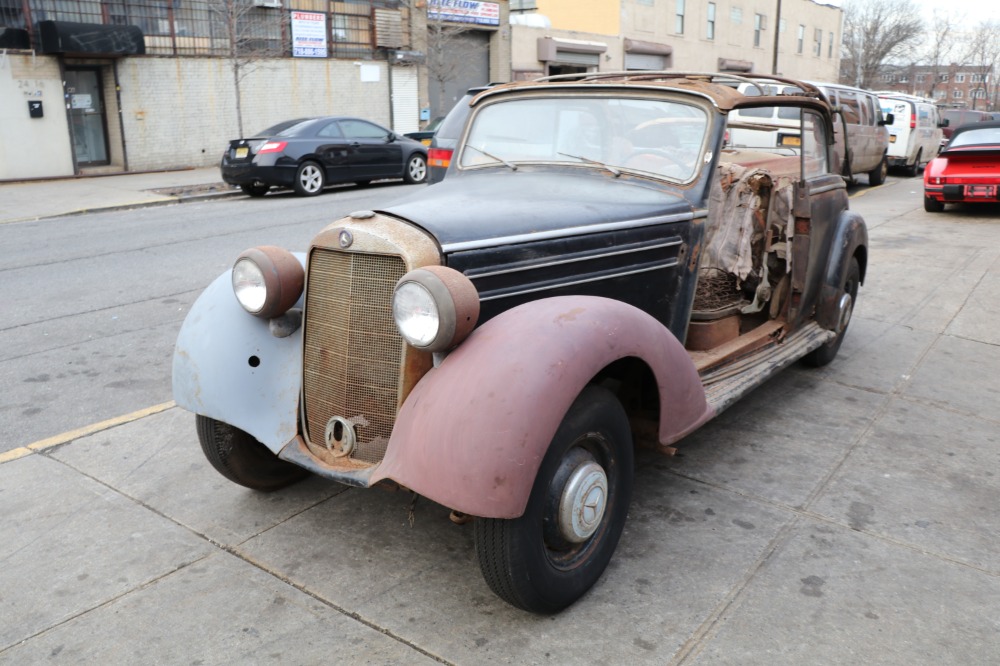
(390, 137)
(944, 122)
(888, 119)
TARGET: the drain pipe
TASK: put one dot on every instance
(121, 114)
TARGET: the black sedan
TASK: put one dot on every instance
(309, 153)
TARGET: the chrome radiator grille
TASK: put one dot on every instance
(352, 350)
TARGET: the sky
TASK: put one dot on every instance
(974, 11)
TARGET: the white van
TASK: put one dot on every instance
(915, 134)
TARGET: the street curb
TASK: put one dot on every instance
(130, 206)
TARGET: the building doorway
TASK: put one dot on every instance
(87, 121)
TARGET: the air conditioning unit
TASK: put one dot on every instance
(267, 4)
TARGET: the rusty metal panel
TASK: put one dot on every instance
(388, 29)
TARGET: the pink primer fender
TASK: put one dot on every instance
(472, 433)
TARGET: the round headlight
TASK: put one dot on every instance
(435, 307)
(267, 281)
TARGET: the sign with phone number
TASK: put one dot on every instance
(308, 35)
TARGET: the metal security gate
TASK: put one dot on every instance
(405, 100)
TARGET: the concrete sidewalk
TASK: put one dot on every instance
(37, 199)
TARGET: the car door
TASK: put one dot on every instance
(331, 147)
(373, 151)
(821, 196)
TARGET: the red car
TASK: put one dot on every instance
(966, 170)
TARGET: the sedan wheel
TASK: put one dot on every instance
(309, 179)
(552, 554)
(416, 169)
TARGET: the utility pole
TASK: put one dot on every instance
(777, 33)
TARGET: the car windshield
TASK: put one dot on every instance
(976, 137)
(662, 138)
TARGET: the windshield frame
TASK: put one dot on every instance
(702, 111)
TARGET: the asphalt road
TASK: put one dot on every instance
(93, 302)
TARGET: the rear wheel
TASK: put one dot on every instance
(416, 169)
(550, 556)
(255, 189)
(309, 179)
(823, 355)
(932, 205)
(877, 175)
(912, 169)
(240, 458)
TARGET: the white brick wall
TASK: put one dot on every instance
(181, 112)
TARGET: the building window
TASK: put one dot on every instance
(921, 78)
(736, 16)
(818, 39)
(679, 18)
(829, 47)
(957, 94)
(960, 78)
(801, 39)
(979, 93)
(758, 26)
(943, 78)
(710, 28)
(940, 94)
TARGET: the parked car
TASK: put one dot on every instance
(425, 135)
(967, 170)
(955, 118)
(596, 264)
(862, 138)
(862, 142)
(445, 139)
(307, 154)
(915, 132)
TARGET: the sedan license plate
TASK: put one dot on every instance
(242, 152)
(980, 191)
(791, 141)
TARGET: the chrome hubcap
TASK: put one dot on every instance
(846, 309)
(417, 169)
(583, 501)
(310, 179)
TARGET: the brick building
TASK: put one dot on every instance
(955, 85)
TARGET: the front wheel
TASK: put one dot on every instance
(932, 205)
(877, 175)
(240, 458)
(309, 179)
(416, 169)
(551, 555)
(823, 355)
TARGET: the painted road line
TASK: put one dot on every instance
(41, 445)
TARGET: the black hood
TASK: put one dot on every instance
(504, 203)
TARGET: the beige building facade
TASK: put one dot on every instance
(563, 36)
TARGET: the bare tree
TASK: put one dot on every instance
(940, 49)
(982, 54)
(876, 31)
(254, 30)
(449, 57)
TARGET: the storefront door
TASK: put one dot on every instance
(84, 95)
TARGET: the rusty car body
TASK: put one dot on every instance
(597, 261)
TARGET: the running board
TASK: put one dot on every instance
(726, 384)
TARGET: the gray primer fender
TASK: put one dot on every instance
(214, 374)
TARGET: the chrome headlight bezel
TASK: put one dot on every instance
(267, 281)
(435, 308)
